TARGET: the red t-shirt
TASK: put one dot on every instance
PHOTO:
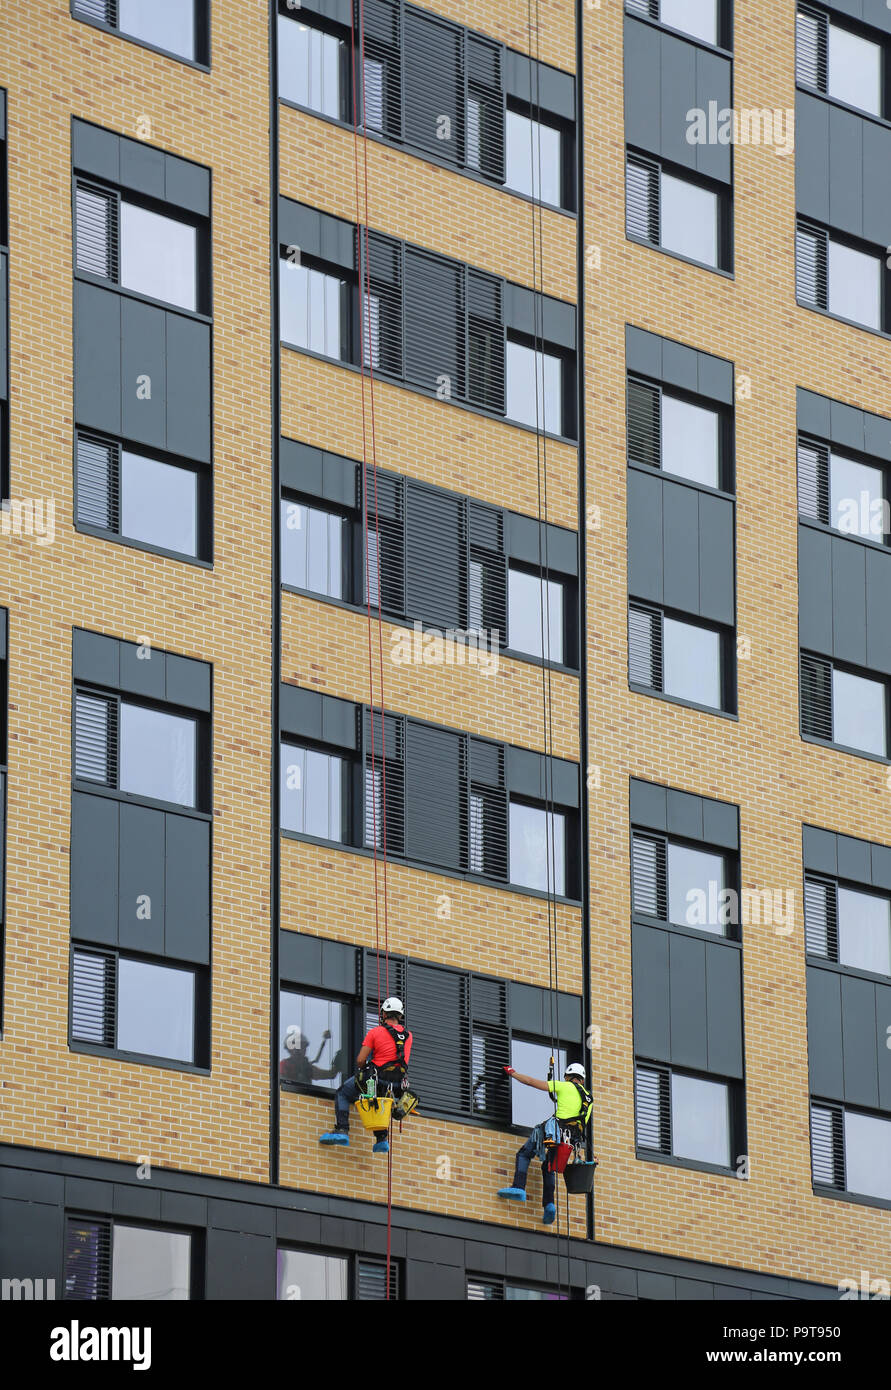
(383, 1047)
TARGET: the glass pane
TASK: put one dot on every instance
(373, 96)
(858, 713)
(528, 1106)
(312, 549)
(690, 436)
(696, 17)
(156, 1010)
(864, 931)
(534, 388)
(159, 503)
(532, 152)
(857, 495)
(313, 1040)
(311, 792)
(151, 1265)
(169, 24)
(689, 220)
(158, 256)
(855, 281)
(157, 754)
(700, 1120)
(855, 70)
(303, 1275)
(695, 882)
(526, 621)
(310, 309)
(691, 663)
(533, 847)
(309, 67)
(868, 1155)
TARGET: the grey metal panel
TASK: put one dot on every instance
(552, 89)
(877, 434)
(680, 366)
(187, 185)
(715, 378)
(564, 782)
(720, 823)
(183, 1209)
(650, 994)
(97, 357)
(142, 674)
(872, 12)
(300, 711)
(338, 10)
(689, 1027)
(94, 868)
(723, 990)
(340, 480)
(679, 94)
(87, 1195)
(95, 658)
(716, 570)
(854, 860)
(645, 531)
(96, 151)
(240, 1266)
(143, 355)
(4, 308)
(338, 967)
(434, 1282)
(878, 610)
(301, 467)
(526, 774)
(300, 958)
(31, 1240)
(561, 550)
(858, 1006)
(820, 850)
(142, 168)
(526, 1009)
(2, 114)
(684, 815)
(250, 1217)
(881, 866)
(484, 1258)
(848, 601)
(713, 83)
(4, 625)
(138, 1200)
(811, 162)
(187, 889)
(188, 387)
(557, 322)
(25, 1185)
(188, 682)
(643, 86)
(659, 1287)
(569, 1016)
(339, 723)
(695, 1290)
(824, 1034)
(532, 545)
(845, 425)
(813, 412)
(845, 166)
(299, 226)
(649, 805)
(643, 351)
(680, 521)
(814, 590)
(876, 145)
(141, 875)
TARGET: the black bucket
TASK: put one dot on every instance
(579, 1177)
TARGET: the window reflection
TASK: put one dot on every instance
(690, 435)
(692, 663)
(532, 1059)
(311, 792)
(167, 24)
(537, 844)
(855, 70)
(855, 285)
(696, 17)
(149, 1264)
(309, 67)
(689, 220)
(156, 1010)
(864, 931)
(700, 1120)
(692, 900)
(868, 1155)
(858, 713)
(159, 503)
(532, 158)
(157, 754)
(158, 256)
(313, 1041)
(303, 1275)
(527, 624)
(310, 308)
(857, 496)
(312, 549)
(534, 384)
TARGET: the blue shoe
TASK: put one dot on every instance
(513, 1194)
(381, 1147)
(335, 1136)
(549, 1214)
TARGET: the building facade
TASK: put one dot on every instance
(448, 457)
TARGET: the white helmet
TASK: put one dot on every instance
(294, 1038)
(575, 1069)
(392, 1006)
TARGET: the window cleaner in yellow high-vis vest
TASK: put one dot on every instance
(574, 1105)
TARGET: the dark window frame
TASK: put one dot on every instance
(732, 881)
(849, 24)
(724, 204)
(830, 664)
(724, 12)
(726, 486)
(808, 226)
(108, 1221)
(839, 1157)
(823, 500)
(572, 852)
(568, 402)
(737, 1136)
(351, 788)
(201, 36)
(351, 1042)
(831, 959)
(354, 1260)
(727, 656)
(351, 558)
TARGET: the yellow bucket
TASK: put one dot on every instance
(375, 1114)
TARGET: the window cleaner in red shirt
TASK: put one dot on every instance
(384, 1054)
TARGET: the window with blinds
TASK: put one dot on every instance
(813, 480)
(644, 400)
(179, 29)
(821, 917)
(645, 646)
(98, 482)
(642, 219)
(811, 265)
(649, 876)
(96, 719)
(140, 249)
(828, 1146)
(93, 997)
(384, 801)
(652, 1104)
(97, 230)
(816, 697)
(371, 1280)
(87, 1259)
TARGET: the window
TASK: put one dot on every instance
(137, 248)
(134, 1006)
(532, 1059)
(313, 554)
(501, 1290)
(314, 1040)
(688, 1117)
(680, 436)
(845, 493)
(312, 308)
(135, 748)
(672, 212)
(311, 68)
(675, 657)
(839, 706)
(534, 382)
(533, 627)
(698, 18)
(106, 1259)
(681, 884)
(848, 926)
(537, 848)
(836, 276)
(851, 1151)
(312, 792)
(307, 1274)
(533, 158)
(176, 26)
(141, 498)
(839, 62)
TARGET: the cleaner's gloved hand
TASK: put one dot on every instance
(510, 1070)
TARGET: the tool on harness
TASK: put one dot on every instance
(406, 1102)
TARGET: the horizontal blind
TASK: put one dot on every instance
(95, 738)
(371, 1280)
(87, 1260)
(645, 646)
(484, 143)
(435, 780)
(487, 810)
(384, 799)
(490, 1049)
(648, 8)
(385, 513)
(485, 340)
(644, 423)
(811, 265)
(487, 573)
(811, 49)
(649, 877)
(434, 79)
(821, 918)
(816, 697)
(392, 982)
(104, 10)
(652, 1109)
(379, 259)
(435, 323)
(93, 975)
(828, 1146)
(813, 480)
(490, 1290)
(435, 556)
(380, 96)
(642, 199)
(98, 482)
(96, 230)
(440, 1061)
